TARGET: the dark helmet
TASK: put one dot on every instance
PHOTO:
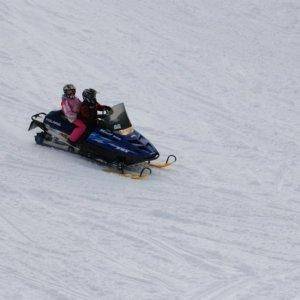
(89, 95)
(69, 90)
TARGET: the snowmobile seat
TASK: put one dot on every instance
(57, 120)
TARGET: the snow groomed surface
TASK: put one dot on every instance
(216, 83)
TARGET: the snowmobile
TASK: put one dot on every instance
(113, 142)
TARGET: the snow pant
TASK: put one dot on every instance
(78, 131)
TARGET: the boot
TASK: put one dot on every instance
(73, 144)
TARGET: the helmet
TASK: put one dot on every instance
(69, 90)
(89, 95)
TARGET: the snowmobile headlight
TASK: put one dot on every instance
(126, 131)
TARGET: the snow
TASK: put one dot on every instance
(214, 82)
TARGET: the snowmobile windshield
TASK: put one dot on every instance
(118, 120)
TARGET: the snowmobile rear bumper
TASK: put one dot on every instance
(37, 121)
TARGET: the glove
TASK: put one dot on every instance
(108, 108)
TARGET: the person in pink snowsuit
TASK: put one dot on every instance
(70, 106)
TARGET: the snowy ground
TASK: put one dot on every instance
(214, 82)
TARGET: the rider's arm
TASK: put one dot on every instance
(102, 107)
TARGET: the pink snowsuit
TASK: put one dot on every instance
(70, 107)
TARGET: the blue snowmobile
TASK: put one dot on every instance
(114, 142)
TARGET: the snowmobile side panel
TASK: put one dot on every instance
(56, 120)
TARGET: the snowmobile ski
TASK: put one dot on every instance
(143, 174)
(169, 161)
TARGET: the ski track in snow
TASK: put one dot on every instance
(217, 84)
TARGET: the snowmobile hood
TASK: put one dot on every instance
(134, 145)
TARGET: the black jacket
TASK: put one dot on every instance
(88, 113)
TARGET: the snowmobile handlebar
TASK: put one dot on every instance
(107, 113)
